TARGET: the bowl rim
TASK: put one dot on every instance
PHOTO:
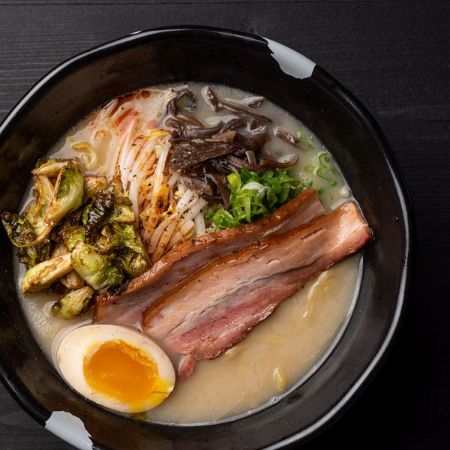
(38, 411)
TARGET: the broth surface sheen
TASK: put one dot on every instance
(277, 353)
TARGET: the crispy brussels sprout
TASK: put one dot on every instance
(31, 229)
(101, 207)
(50, 205)
(44, 274)
(78, 233)
(68, 193)
(121, 213)
(30, 256)
(50, 167)
(72, 235)
(95, 268)
(93, 185)
(37, 210)
(129, 254)
(108, 240)
(128, 236)
(131, 263)
(118, 235)
(19, 229)
(74, 303)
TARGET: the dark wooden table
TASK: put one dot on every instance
(395, 57)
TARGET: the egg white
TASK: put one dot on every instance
(78, 343)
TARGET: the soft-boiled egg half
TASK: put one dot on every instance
(116, 367)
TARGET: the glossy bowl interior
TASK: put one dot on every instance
(293, 82)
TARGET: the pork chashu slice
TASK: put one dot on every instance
(217, 308)
(189, 257)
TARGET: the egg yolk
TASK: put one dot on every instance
(121, 371)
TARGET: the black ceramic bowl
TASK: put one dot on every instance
(293, 82)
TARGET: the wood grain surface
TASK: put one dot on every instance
(395, 57)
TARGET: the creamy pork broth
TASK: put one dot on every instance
(272, 358)
(278, 352)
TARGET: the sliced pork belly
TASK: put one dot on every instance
(187, 258)
(217, 307)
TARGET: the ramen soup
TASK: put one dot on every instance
(197, 253)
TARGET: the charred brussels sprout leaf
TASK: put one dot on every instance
(121, 213)
(37, 211)
(130, 256)
(19, 229)
(94, 268)
(132, 263)
(30, 256)
(128, 236)
(74, 303)
(107, 240)
(118, 235)
(101, 207)
(50, 167)
(68, 193)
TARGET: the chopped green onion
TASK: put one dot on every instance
(233, 180)
(305, 140)
(254, 196)
(326, 169)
